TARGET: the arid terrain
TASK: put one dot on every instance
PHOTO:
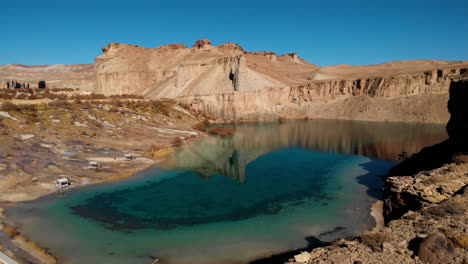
(237, 85)
(55, 119)
(425, 206)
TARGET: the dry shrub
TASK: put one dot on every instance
(113, 109)
(200, 127)
(153, 149)
(164, 110)
(374, 240)
(59, 104)
(185, 106)
(177, 142)
(117, 103)
(6, 96)
(9, 106)
(21, 96)
(222, 131)
(126, 96)
(27, 107)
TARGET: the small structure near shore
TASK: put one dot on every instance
(93, 165)
(62, 183)
(130, 157)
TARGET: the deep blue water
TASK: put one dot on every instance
(267, 189)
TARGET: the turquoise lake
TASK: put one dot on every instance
(269, 188)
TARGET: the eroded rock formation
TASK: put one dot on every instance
(177, 71)
(425, 205)
(404, 193)
(236, 85)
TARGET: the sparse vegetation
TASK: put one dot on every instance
(221, 131)
(200, 127)
(177, 142)
(8, 106)
(374, 240)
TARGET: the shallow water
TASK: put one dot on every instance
(269, 188)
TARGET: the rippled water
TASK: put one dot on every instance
(269, 188)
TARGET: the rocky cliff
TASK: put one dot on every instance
(402, 195)
(236, 85)
(417, 97)
(174, 70)
(425, 206)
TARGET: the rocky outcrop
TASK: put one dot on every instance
(403, 193)
(425, 207)
(435, 233)
(435, 248)
(205, 69)
(413, 98)
(236, 85)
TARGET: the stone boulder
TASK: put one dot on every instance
(436, 248)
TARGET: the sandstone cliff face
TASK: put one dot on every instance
(235, 85)
(402, 191)
(174, 70)
(418, 97)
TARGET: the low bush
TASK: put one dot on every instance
(374, 241)
(200, 127)
(222, 131)
(9, 106)
(177, 142)
(6, 96)
(59, 104)
(164, 110)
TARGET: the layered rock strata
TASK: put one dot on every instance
(426, 209)
(236, 85)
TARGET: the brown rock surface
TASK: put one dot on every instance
(426, 211)
(435, 248)
(237, 85)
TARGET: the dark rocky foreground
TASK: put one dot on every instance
(425, 206)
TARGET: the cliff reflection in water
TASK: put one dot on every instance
(229, 156)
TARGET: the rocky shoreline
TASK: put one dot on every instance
(41, 143)
(424, 210)
(425, 205)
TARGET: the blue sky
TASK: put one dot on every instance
(322, 32)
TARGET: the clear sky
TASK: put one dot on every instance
(322, 32)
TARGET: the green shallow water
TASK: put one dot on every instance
(268, 189)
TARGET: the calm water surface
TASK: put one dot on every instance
(269, 188)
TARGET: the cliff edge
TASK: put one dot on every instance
(426, 210)
(236, 85)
